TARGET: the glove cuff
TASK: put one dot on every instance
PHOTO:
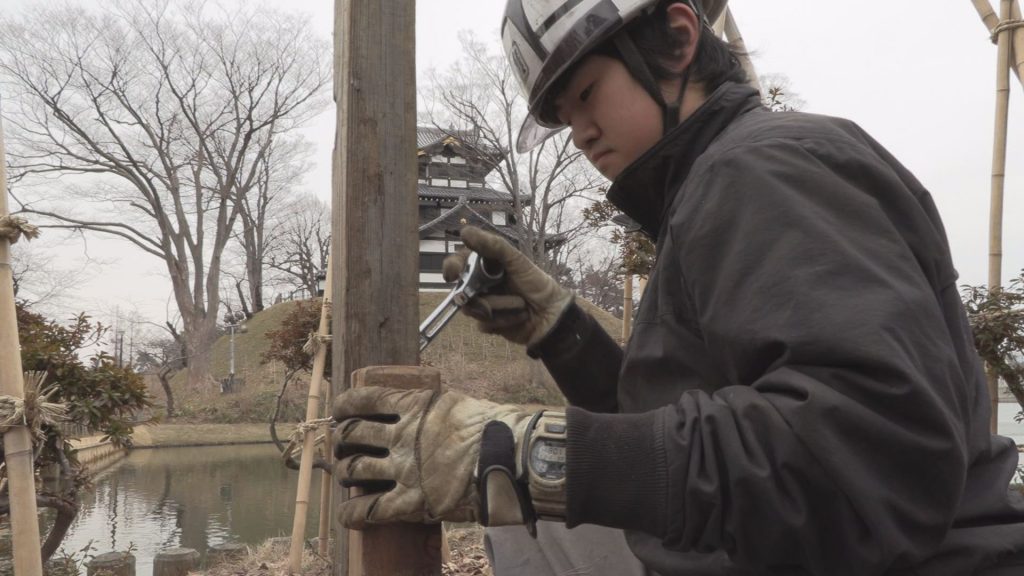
(521, 474)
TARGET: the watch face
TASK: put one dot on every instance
(547, 459)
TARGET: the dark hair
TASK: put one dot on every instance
(715, 63)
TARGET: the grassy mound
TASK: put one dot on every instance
(477, 364)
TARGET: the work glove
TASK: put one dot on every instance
(422, 456)
(525, 306)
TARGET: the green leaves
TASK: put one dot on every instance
(997, 320)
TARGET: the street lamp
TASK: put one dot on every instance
(241, 329)
(321, 282)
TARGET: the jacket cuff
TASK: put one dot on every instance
(616, 471)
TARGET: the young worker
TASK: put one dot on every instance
(800, 394)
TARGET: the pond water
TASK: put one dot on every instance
(201, 497)
(191, 497)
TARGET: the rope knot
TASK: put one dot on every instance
(1004, 26)
(12, 228)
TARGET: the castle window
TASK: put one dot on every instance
(458, 183)
(439, 182)
(439, 159)
(457, 160)
(476, 185)
(498, 218)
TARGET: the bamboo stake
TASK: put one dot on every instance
(308, 448)
(627, 307)
(732, 33)
(995, 250)
(17, 439)
(1017, 45)
(991, 20)
(324, 532)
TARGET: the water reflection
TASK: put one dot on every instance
(191, 497)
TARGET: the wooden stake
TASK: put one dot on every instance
(375, 240)
(309, 440)
(17, 439)
(995, 251)
(324, 532)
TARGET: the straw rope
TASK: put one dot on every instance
(312, 345)
(33, 411)
(298, 435)
(1004, 26)
(12, 228)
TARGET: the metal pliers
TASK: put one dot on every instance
(476, 278)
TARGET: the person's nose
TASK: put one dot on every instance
(584, 132)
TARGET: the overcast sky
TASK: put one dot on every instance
(919, 78)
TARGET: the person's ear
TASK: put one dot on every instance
(686, 25)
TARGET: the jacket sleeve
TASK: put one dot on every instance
(839, 445)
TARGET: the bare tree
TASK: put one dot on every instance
(480, 95)
(280, 172)
(166, 112)
(302, 240)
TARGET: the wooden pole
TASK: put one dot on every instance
(324, 531)
(375, 239)
(17, 439)
(309, 439)
(627, 307)
(732, 33)
(995, 250)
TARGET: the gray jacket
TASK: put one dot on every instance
(800, 394)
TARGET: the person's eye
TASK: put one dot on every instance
(586, 93)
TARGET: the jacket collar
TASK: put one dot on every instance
(646, 188)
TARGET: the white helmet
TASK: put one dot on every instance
(543, 38)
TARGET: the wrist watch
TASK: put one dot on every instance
(544, 460)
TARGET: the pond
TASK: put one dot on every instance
(201, 497)
(191, 497)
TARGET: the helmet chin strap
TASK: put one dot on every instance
(638, 68)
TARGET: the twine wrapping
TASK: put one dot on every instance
(33, 411)
(1005, 25)
(295, 441)
(12, 228)
(312, 345)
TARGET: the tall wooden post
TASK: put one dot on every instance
(375, 240)
(17, 440)
(995, 249)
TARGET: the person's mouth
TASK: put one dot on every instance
(597, 156)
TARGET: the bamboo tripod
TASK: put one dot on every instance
(17, 439)
(309, 439)
(1008, 29)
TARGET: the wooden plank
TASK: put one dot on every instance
(374, 244)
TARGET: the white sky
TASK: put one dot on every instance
(919, 77)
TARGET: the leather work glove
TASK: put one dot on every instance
(525, 305)
(422, 456)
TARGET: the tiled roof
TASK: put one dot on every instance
(427, 135)
(471, 194)
(461, 214)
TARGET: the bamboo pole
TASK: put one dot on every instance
(732, 33)
(17, 439)
(309, 439)
(324, 533)
(627, 307)
(995, 250)
(991, 20)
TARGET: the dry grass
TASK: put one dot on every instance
(470, 362)
(271, 559)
